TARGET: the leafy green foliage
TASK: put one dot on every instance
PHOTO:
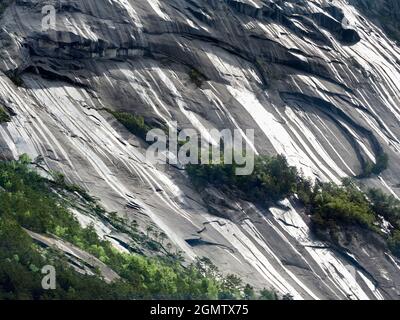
(197, 77)
(330, 206)
(26, 199)
(388, 207)
(394, 242)
(267, 295)
(133, 123)
(333, 206)
(30, 201)
(272, 179)
(382, 163)
(20, 272)
(4, 117)
(385, 12)
(60, 181)
(3, 5)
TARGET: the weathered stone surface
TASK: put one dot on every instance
(316, 79)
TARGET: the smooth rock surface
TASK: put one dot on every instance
(318, 81)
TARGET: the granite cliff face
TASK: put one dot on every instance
(318, 80)
(385, 13)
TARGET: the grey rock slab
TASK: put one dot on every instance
(319, 89)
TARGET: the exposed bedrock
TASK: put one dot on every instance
(317, 80)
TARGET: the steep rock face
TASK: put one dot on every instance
(384, 12)
(317, 80)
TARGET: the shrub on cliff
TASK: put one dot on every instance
(133, 123)
(30, 201)
(272, 179)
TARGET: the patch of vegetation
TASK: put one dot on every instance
(4, 116)
(382, 163)
(20, 271)
(3, 5)
(16, 79)
(388, 207)
(272, 180)
(30, 201)
(196, 77)
(133, 123)
(394, 242)
(330, 206)
(385, 12)
(268, 295)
